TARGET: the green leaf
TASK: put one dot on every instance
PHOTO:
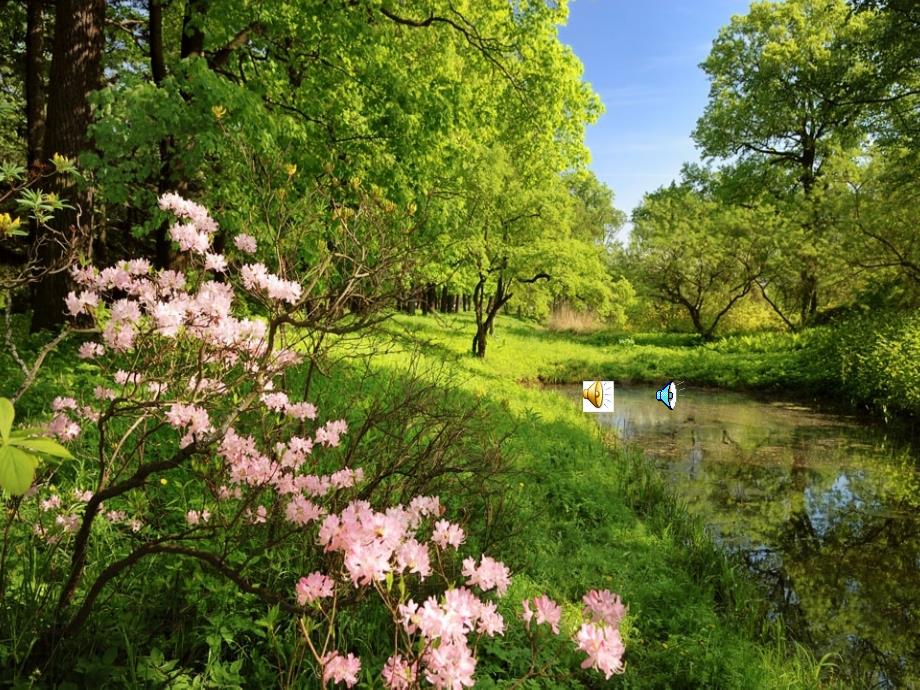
(17, 470)
(41, 445)
(7, 415)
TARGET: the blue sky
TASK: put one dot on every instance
(642, 57)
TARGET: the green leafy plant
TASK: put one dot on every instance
(20, 451)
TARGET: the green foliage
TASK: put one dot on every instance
(20, 451)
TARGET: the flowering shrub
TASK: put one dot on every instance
(193, 389)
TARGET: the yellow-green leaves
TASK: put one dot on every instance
(10, 226)
(20, 450)
(7, 415)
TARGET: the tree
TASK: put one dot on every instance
(790, 83)
(76, 66)
(696, 253)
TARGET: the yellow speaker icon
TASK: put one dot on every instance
(594, 394)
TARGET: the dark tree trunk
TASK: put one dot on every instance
(192, 34)
(163, 256)
(75, 72)
(486, 312)
(35, 81)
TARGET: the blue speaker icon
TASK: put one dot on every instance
(667, 395)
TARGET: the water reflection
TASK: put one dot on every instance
(824, 510)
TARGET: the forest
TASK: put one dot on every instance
(294, 295)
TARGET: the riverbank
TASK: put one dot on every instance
(869, 364)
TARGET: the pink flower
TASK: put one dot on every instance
(329, 435)
(257, 277)
(489, 574)
(447, 534)
(103, 393)
(275, 401)
(82, 303)
(601, 606)
(245, 243)
(83, 275)
(413, 556)
(138, 267)
(114, 515)
(399, 674)
(301, 410)
(125, 310)
(118, 338)
(604, 648)
(341, 669)
(53, 502)
(302, 511)
(90, 351)
(189, 238)
(450, 665)
(183, 208)
(63, 428)
(193, 517)
(260, 516)
(215, 262)
(123, 377)
(59, 404)
(545, 610)
(68, 523)
(190, 417)
(312, 587)
(82, 496)
(491, 622)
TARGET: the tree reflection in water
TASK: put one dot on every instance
(825, 511)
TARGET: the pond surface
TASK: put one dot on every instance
(823, 509)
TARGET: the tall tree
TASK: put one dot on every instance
(76, 70)
(790, 83)
(34, 80)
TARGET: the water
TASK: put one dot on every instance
(823, 509)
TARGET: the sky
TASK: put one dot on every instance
(642, 58)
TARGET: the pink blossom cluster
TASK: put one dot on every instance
(341, 669)
(279, 402)
(67, 518)
(312, 587)
(257, 277)
(444, 626)
(598, 636)
(374, 543)
(63, 426)
(196, 214)
(245, 243)
(191, 418)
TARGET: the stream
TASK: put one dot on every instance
(824, 510)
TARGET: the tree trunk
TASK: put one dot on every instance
(485, 317)
(35, 81)
(75, 72)
(163, 254)
(192, 34)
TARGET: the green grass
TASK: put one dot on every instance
(528, 352)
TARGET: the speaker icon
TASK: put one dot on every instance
(668, 395)
(597, 396)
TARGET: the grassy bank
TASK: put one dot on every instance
(595, 515)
